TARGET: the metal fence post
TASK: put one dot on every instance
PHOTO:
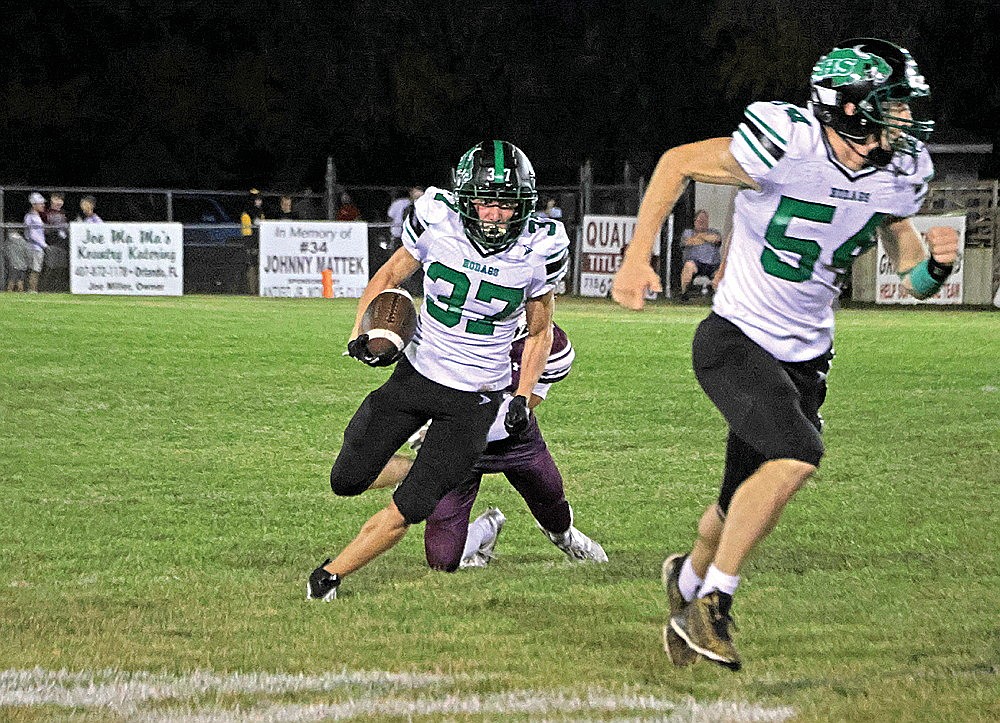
(586, 187)
(331, 182)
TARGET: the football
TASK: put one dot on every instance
(389, 321)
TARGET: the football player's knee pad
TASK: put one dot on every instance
(444, 542)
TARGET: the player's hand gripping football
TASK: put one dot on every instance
(943, 244)
(358, 348)
(516, 420)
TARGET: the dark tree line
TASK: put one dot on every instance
(230, 94)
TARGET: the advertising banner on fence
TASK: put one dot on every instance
(888, 286)
(294, 254)
(602, 244)
(142, 259)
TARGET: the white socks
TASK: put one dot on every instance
(716, 579)
(689, 582)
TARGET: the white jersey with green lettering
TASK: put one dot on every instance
(472, 303)
(795, 238)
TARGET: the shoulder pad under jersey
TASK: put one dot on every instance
(769, 132)
(549, 244)
(435, 205)
(913, 186)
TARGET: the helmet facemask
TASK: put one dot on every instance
(494, 172)
(897, 115)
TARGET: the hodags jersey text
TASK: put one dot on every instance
(795, 238)
(472, 303)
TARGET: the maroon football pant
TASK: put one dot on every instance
(528, 465)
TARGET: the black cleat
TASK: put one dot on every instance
(322, 585)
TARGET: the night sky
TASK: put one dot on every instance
(227, 95)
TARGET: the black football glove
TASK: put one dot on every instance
(516, 420)
(358, 348)
(385, 359)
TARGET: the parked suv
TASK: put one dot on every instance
(200, 214)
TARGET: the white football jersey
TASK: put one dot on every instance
(795, 238)
(472, 303)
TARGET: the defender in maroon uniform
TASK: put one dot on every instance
(450, 540)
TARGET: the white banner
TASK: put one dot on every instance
(602, 247)
(142, 259)
(294, 254)
(889, 287)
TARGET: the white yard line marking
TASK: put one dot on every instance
(518, 703)
(368, 693)
(120, 690)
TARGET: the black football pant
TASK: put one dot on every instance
(386, 419)
(772, 406)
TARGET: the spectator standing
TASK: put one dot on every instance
(15, 251)
(397, 210)
(347, 210)
(285, 210)
(88, 213)
(34, 233)
(253, 214)
(57, 225)
(250, 220)
(306, 207)
(551, 210)
(702, 251)
(57, 237)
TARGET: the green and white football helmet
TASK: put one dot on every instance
(878, 77)
(495, 172)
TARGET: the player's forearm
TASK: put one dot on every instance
(665, 187)
(533, 360)
(902, 243)
(394, 272)
(921, 274)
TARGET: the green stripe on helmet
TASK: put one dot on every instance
(498, 161)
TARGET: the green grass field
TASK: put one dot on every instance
(164, 467)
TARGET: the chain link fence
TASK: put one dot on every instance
(220, 258)
(978, 201)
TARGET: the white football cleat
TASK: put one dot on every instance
(494, 518)
(577, 546)
(416, 439)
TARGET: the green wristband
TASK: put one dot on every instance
(924, 285)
